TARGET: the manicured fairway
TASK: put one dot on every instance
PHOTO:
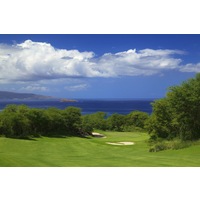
(74, 151)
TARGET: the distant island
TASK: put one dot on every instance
(5, 95)
(68, 100)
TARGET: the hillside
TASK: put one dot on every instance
(4, 95)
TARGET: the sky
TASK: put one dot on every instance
(97, 65)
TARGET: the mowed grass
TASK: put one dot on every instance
(93, 152)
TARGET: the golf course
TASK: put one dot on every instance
(93, 152)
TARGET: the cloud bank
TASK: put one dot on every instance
(36, 61)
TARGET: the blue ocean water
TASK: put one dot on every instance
(90, 106)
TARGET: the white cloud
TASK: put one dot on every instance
(34, 88)
(76, 87)
(144, 62)
(37, 61)
(191, 68)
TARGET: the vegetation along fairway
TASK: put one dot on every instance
(76, 151)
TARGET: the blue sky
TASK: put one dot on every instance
(97, 66)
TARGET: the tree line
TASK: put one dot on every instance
(21, 121)
(116, 122)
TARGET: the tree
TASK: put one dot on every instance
(185, 100)
(178, 113)
(14, 121)
(72, 120)
(116, 122)
(96, 120)
(23, 122)
(137, 119)
(162, 123)
(37, 123)
(52, 121)
(87, 126)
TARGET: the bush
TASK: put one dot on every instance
(137, 119)
(116, 122)
(24, 122)
(95, 121)
(177, 115)
(173, 144)
(87, 126)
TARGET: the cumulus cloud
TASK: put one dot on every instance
(36, 61)
(143, 62)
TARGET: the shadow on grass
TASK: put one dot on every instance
(34, 138)
(23, 138)
(68, 136)
(64, 134)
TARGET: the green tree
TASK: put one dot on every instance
(116, 122)
(23, 122)
(52, 122)
(37, 124)
(137, 119)
(162, 123)
(96, 120)
(72, 120)
(87, 126)
(14, 121)
(178, 114)
(185, 100)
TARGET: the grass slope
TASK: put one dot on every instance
(73, 151)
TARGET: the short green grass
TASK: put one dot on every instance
(77, 152)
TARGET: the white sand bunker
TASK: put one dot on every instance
(98, 135)
(121, 143)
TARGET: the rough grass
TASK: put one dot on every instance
(74, 151)
(171, 144)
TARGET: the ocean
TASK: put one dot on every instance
(90, 106)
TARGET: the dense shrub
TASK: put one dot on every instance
(137, 119)
(23, 122)
(96, 120)
(173, 144)
(87, 126)
(178, 114)
(116, 122)
(14, 121)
